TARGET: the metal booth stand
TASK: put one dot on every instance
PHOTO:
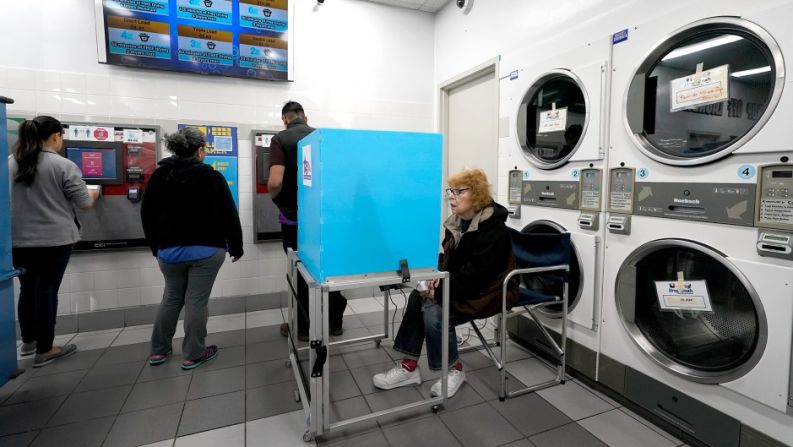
(310, 362)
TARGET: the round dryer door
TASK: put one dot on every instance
(718, 342)
(552, 119)
(548, 285)
(704, 91)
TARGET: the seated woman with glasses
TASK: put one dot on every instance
(477, 253)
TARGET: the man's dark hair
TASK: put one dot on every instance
(292, 110)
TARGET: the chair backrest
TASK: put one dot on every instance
(540, 249)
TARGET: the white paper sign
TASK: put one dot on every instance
(80, 133)
(307, 168)
(149, 136)
(133, 136)
(263, 140)
(554, 120)
(686, 295)
(699, 89)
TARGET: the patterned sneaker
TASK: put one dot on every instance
(454, 380)
(27, 349)
(159, 359)
(396, 377)
(45, 359)
(209, 353)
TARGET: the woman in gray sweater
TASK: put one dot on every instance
(45, 188)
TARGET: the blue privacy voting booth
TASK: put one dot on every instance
(8, 356)
(368, 199)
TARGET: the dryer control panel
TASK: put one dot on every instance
(774, 208)
(621, 187)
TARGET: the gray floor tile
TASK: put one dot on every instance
(28, 416)
(371, 439)
(363, 375)
(137, 352)
(466, 396)
(91, 405)
(352, 322)
(570, 434)
(617, 429)
(365, 357)
(649, 424)
(267, 373)
(11, 386)
(342, 386)
(212, 412)
(226, 339)
(574, 400)
(171, 368)
(145, 427)
(428, 431)
(84, 434)
(480, 426)
(352, 333)
(393, 398)
(78, 361)
(347, 409)
(520, 443)
(475, 360)
(336, 364)
(515, 352)
(374, 320)
(531, 414)
(21, 440)
(269, 350)
(263, 334)
(157, 393)
(227, 358)
(270, 400)
(487, 382)
(222, 381)
(109, 376)
(46, 386)
(531, 371)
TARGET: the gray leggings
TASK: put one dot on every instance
(188, 285)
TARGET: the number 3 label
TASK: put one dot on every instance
(643, 173)
(746, 172)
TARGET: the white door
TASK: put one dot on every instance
(471, 130)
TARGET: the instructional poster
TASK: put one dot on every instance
(222, 154)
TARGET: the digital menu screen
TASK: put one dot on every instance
(239, 38)
(95, 164)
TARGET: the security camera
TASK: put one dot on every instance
(465, 5)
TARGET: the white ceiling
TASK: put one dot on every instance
(421, 5)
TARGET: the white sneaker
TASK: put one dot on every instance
(396, 377)
(454, 380)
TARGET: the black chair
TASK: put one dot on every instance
(538, 256)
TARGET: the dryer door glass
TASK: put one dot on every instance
(550, 285)
(702, 345)
(552, 120)
(699, 93)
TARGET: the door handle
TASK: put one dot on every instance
(11, 274)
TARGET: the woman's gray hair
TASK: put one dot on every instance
(185, 142)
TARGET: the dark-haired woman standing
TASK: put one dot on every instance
(190, 221)
(45, 187)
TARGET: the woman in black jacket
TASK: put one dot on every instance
(477, 253)
(190, 221)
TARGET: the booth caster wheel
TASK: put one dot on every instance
(307, 437)
(297, 396)
(436, 408)
(377, 343)
(288, 363)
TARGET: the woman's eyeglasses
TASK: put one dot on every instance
(455, 192)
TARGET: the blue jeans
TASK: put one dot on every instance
(423, 320)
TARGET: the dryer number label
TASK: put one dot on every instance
(746, 172)
(683, 295)
(776, 211)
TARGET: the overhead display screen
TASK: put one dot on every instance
(239, 38)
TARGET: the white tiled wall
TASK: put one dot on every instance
(377, 74)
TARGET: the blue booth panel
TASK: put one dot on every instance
(367, 199)
(8, 356)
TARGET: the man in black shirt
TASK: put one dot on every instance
(282, 185)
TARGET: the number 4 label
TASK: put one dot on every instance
(746, 172)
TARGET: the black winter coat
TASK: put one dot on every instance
(186, 202)
(478, 261)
